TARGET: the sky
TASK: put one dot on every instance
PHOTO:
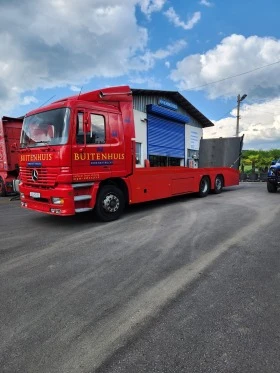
(208, 50)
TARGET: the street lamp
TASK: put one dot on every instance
(239, 99)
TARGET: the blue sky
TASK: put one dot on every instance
(52, 49)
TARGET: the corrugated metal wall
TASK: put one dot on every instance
(140, 103)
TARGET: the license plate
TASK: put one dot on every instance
(35, 195)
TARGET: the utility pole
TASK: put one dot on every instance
(239, 99)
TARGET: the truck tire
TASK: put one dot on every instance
(204, 187)
(219, 184)
(109, 203)
(2, 188)
(271, 187)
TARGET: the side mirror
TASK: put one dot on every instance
(273, 163)
(14, 146)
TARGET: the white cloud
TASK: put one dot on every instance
(206, 3)
(167, 64)
(259, 123)
(175, 19)
(170, 49)
(62, 42)
(234, 55)
(75, 88)
(150, 6)
(148, 59)
(149, 81)
(28, 100)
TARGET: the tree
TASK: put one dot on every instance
(254, 159)
(260, 159)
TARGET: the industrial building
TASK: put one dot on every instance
(168, 128)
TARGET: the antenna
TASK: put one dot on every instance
(47, 101)
(80, 91)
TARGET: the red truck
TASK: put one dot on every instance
(10, 129)
(78, 154)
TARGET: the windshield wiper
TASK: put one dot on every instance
(42, 142)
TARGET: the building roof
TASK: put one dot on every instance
(179, 99)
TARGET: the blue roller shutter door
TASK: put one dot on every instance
(165, 137)
(166, 132)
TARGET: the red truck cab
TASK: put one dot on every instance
(78, 154)
(71, 146)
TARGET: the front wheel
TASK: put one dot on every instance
(204, 187)
(271, 187)
(2, 188)
(109, 203)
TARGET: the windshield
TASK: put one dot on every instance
(46, 128)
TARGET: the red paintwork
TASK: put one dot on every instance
(65, 165)
(10, 129)
(163, 182)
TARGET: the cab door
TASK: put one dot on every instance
(91, 148)
(117, 150)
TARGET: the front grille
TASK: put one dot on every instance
(46, 176)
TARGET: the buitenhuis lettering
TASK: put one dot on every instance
(98, 156)
(35, 157)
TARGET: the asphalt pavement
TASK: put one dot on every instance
(181, 285)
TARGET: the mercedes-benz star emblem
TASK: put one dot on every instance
(34, 175)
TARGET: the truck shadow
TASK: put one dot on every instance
(88, 219)
(151, 205)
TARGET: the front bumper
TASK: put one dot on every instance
(273, 180)
(43, 200)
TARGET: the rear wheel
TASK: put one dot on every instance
(2, 188)
(204, 187)
(219, 184)
(271, 188)
(109, 203)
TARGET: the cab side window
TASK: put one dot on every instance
(97, 134)
(97, 130)
(79, 128)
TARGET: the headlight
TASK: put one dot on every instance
(272, 172)
(57, 201)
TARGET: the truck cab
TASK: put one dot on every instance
(72, 146)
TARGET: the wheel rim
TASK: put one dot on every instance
(218, 184)
(204, 186)
(111, 203)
